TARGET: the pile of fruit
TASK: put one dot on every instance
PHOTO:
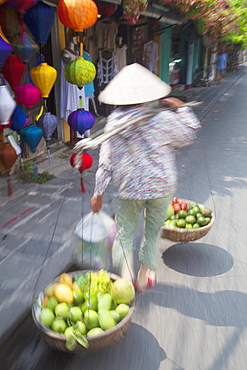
(85, 306)
(187, 215)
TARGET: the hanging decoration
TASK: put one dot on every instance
(79, 72)
(8, 156)
(81, 162)
(7, 105)
(107, 9)
(81, 120)
(13, 70)
(39, 20)
(44, 77)
(77, 15)
(5, 49)
(48, 122)
(18, 120)
(26, 47)
(28, 95)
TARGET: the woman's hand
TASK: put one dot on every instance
(96, 203)
(173, 103)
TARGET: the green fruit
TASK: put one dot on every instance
(122, 291)
(190, 219)
(106, 321)
(201, 221)
(206, 212)
(174, 217)
(115, 315)
(49, 290)
(81, 327)
(91, 319)
(181, 222)
(78, 297)
(75, 313)
(62, 310)
(51, 303)
(94, 332)
(170, 211)
(69, 331)
(207, 219)
(199, 214)
(192, 212)
(104, 302)
(196, 209)
(188, 226)
(58, 325)
(195, 226)
(46, 316)
(182, 214)
(90, 304)
(122, 309)
(173, 223)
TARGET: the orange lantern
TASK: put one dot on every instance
(78, 15)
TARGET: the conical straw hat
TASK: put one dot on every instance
(134, 84)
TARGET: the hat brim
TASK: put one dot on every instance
(134, 84)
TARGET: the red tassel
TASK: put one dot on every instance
(82, 186)
(9, 187)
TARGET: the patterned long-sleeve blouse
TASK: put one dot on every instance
(141, 159)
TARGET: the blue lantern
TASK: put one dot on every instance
(39, 20)
(26, 47)
(81, 120)
(18, 120)
(32, 135)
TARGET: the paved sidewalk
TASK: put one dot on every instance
(37, 223)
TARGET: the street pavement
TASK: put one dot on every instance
(37, 233)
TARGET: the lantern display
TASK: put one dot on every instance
(48, 122)
(32, 135)
(18, 120)
(8, 156)
(44, 77)
(5, 48)
(77, 15)
(79, 72)
(81, 120)
(39, 20)
(81, 162)
(28, 95)
(13, 70)
(26, 47)
(7, 105)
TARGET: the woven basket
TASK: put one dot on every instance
(181, 235)
(58, 341)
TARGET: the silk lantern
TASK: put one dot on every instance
(7, 105)
(81, 120)
(18, 120)
(48, 122)
(78, 15)
(81, 162)
(8, 157)
(32, 135)
(26, 47)
(107, 9)
(22, 5)
(13, 70)
(28, 95)
(5, 48)
(44, 77)
(39, 20)
(79, 72)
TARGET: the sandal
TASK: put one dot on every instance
(151, 281)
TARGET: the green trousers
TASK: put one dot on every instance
(127, 219)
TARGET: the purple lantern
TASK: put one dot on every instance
(81, 120)
(18, 120)
(32, 135)
(39, 20)
(5, 49)
(48, 122)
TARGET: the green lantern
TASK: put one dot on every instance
(80, 72)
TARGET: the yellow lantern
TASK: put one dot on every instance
(44, 77)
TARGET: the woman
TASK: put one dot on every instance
(141, 162)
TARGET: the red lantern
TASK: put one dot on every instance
(108, 9)
(77, 15)
(13, 70)
(28, 95)
(85, 161)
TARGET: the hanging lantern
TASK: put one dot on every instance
(81, 162)
(5, 48)
(78, 15)
(28, 95)
(32, 135)
(13, 70)
(80, 72)
(22, 5)
(7, 105)
(107, 9)
(44, 77)
(48, 122)
(81, 120)
(26, 47)
(8, 156)
(39, 20)
(18, 120)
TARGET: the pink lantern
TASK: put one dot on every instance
(28, 95)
